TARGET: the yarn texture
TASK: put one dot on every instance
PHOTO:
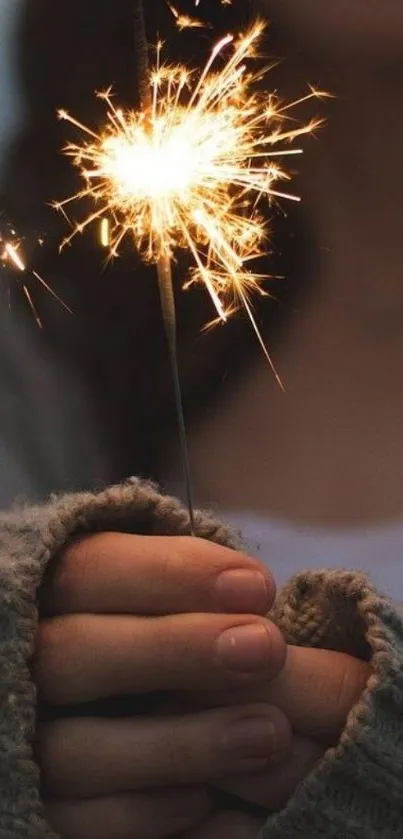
(355, 791)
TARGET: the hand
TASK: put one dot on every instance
(132, 615)
(316, 690)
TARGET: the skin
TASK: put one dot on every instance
(134, 614)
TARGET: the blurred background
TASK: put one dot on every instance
(11, 107)
(312, 476)
(82, 411)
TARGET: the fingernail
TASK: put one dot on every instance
(241, 590)
(245, 648)
(254, 737)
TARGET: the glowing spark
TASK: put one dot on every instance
(191, 171)
(104, 233)
(11, 251)
(11, 255)
(186, 21)
(223, 2)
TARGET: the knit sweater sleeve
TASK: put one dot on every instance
(29, 539)
(356, 791)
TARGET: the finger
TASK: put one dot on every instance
(316, 690)
(273, 786)
(228, 825)
(152, 575)
(84, 657)
(141, 815)
(82, 758)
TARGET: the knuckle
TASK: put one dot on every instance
(54, 746)
(77, 552)
(80, 555)
(71, 573)
(55, 655)
(187, 809)
(181, 755)
(48, 660)
(188, 750)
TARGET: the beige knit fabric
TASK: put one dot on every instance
(356, 791)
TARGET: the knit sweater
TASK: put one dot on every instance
(356, 790)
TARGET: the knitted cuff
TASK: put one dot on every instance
(29, 540)
(356, 791)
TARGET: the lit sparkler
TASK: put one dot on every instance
(190, 170)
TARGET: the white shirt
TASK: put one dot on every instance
(288, 548)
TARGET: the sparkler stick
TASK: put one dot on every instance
(189, 170)
(164, 264)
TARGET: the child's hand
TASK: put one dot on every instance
(134, 615)
(316, 690)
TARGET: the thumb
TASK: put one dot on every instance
(317, 689)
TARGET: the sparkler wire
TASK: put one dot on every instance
(164, 270)
(141, 50)
(164, 265)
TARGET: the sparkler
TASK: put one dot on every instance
(188, 170)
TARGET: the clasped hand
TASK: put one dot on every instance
(176, 625)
